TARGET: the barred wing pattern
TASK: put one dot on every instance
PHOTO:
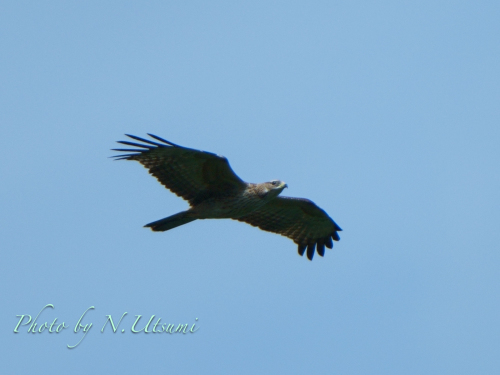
(298, 219)
(191, 174)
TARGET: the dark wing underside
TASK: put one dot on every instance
(191, 174)
(298, 219)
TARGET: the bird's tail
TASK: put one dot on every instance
(170, 222)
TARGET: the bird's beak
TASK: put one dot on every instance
(285, 186)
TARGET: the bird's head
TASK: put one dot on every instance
(277, 184)
(273, 188)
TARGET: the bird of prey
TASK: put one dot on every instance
(214, 191)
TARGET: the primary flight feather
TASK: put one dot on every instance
(214, 191)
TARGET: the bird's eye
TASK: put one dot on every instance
(274, 183)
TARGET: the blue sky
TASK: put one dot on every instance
(384, 114)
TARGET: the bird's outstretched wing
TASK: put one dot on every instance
(191, 174)
(299, 219)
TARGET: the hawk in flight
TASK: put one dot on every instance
(214, 191)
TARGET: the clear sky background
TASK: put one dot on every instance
(385, 114)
